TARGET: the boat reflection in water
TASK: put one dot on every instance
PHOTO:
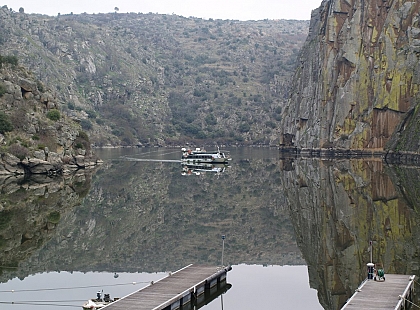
(198, 168)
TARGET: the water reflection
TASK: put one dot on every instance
(337, 207)
(30, 212)
(199, 168)
(145, 216)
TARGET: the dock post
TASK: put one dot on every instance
(370, 270)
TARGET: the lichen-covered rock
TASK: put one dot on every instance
(358, 75)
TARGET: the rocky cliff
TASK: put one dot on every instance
(35, 138)
(357, 83)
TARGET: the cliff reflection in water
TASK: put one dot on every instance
(147, 216)
(338, 206)
(31, 209)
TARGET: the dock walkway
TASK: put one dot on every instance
(172, 291)
(382, 294)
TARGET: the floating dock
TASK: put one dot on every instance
(184, 286)
(395, 293)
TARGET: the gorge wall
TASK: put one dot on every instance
(358, 80)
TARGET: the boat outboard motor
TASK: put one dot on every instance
(107, 298)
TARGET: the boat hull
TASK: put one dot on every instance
(201, 156)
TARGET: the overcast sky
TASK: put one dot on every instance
(217, 9)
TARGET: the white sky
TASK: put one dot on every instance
(216, 9)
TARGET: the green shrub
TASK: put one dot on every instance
(82, 141)
(5, 218)
(40, 86)
(91, 114)
(10, 59)
(86, 124)
(53, 115)
(54, 217)
(2, 89)
(5, 123)
(244, 127)
(83, 135)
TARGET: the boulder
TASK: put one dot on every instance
(10, 159)
(27, 85)
(54, 158)
(80, 161)
(38, 166)
(39, 155)
(28, 95)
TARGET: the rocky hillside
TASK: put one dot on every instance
(161, 79)
(358, 80)
(35, 138)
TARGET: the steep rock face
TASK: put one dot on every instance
(358, 75)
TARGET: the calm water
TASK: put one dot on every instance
(287, 286)
(297, 231)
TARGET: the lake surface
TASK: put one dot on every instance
(297, 230)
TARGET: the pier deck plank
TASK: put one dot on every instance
(152, 296)
(379, 294)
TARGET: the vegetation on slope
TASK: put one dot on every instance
(161, 79)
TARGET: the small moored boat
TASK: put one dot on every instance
(98, 302)
(201, 156)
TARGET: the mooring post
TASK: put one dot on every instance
(370, 266)
(370, 270)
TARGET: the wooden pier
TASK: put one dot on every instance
(177, 289)
(394, 293)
